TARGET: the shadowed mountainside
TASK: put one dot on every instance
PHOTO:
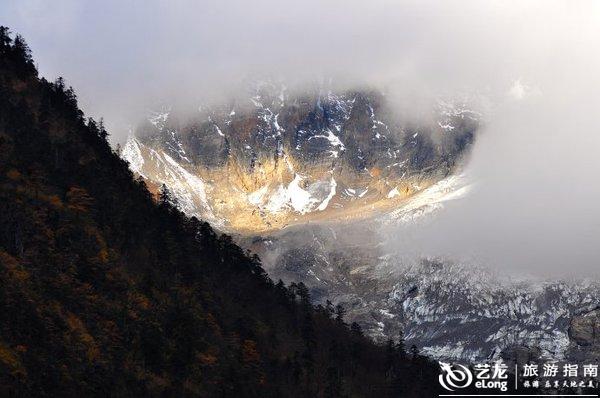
(105, 290)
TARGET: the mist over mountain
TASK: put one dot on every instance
(532, 65)
(107, 290)
(336, 190)
(277, 157)
(430, 167)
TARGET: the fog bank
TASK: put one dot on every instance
(536, 63)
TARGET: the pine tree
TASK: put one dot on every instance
(414, 352)
(355, 327)
(340, 312)
(401, 346)
(166, 198)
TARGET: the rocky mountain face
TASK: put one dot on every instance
(310, 182)
(584, 332)
(273, 158)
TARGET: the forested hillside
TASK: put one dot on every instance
(106, 290)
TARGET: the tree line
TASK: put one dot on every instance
(106, 289)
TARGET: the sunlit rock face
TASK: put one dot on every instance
(271, 158)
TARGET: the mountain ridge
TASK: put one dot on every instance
(106, 291)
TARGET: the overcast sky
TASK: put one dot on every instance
(537, 62)
(123, 56)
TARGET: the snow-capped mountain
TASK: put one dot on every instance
(273, 158)
(309, 179)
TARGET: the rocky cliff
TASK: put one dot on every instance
(271, 158)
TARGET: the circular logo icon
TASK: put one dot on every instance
(455, 376)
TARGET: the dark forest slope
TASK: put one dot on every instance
(105, 291)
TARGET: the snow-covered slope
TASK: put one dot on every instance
(189, 189)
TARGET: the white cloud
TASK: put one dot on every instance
(537, 160)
